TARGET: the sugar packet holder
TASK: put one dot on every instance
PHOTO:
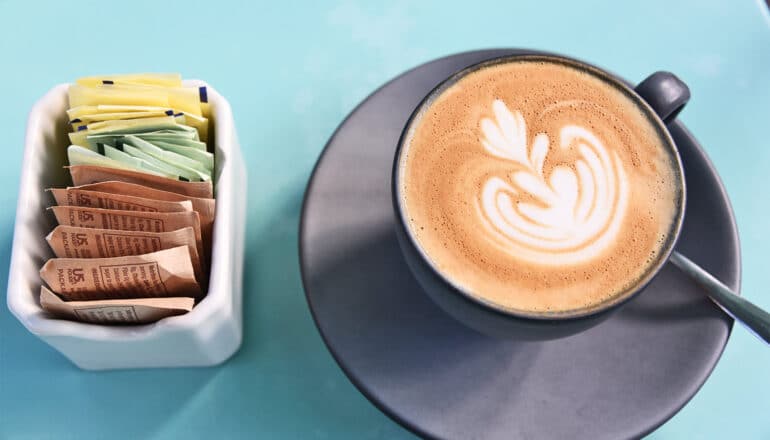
(209, 334)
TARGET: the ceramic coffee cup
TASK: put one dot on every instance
(660, 97)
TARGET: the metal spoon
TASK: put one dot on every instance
(742, 310)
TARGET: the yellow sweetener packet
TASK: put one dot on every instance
(108, 108)
(137, 124)
(101, 117)
(86, 114)
(83, 95)
(152, 79)
(198, 122)
(186, 99)
(76, 112)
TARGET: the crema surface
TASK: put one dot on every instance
(539, 186)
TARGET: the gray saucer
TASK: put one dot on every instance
(621, 379)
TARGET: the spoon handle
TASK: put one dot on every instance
(741, 309)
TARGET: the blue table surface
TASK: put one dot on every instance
(292, 71)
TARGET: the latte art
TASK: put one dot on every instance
(577, 208)
(539, 186)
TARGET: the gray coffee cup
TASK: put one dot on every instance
(660, 97)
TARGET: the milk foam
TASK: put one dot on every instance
(539, 186)
(577, 209)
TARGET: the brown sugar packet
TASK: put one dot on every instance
(129, 220)
(115, 311)
(85, 174)
(75, 242)
(159, 274)
(123, 202)
(206, 208)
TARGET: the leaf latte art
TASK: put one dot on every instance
(566, 216)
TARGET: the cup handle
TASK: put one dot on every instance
(665, 93)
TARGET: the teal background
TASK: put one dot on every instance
(292, 71)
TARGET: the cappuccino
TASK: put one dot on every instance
(539, 186)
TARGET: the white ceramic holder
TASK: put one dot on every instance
(208, 335)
